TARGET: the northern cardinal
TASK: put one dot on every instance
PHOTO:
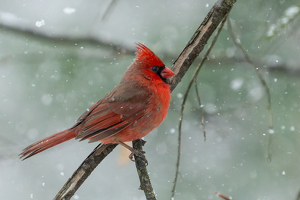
(130, 111)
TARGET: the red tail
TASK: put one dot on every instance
(47, 142)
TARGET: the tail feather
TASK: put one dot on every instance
(47, 142)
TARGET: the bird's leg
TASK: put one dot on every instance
(134, 152)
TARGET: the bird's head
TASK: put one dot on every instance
(150, 65)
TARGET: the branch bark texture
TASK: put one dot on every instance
(146, 185)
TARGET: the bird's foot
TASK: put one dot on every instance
(139, 154)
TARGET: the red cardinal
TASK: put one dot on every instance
(130, 111)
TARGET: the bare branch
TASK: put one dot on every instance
(201, 110)
(185, 98)
(262, 81)
(298, 196)
(109, 8)
(142, 171)
(66, 39)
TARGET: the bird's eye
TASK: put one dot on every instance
(154, 68)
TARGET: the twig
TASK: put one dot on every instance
(263, 82)
(222, 196)
(201, 110)
(109, 8)
(66, 39)
(102, 16)
(185, 98)
(84, 170)
(298, 196)
(142, 171)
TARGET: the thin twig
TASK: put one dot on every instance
(102, 16)
(201, 110)
(222, 196)
(298, 196)
(109, 8)
(141, 168)
(262, 81)
(185, 98)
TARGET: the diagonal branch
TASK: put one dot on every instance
(201, 109)
(263, 83)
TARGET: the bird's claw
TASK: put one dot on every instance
(139, 154)
(131, 157)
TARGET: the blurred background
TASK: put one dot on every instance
(59, 57)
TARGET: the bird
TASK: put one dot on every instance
(131, 110)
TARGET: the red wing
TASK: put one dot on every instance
(111, 117)
(109, 132)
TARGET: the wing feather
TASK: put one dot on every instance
(114, 113)
(110, 132)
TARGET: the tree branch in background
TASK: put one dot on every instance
(180, 67)
(237, 42)
(223, 196)
(298, 196)
(201, 109)
(66, 39)
(109, 9)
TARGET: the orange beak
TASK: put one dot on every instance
(166, 72)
